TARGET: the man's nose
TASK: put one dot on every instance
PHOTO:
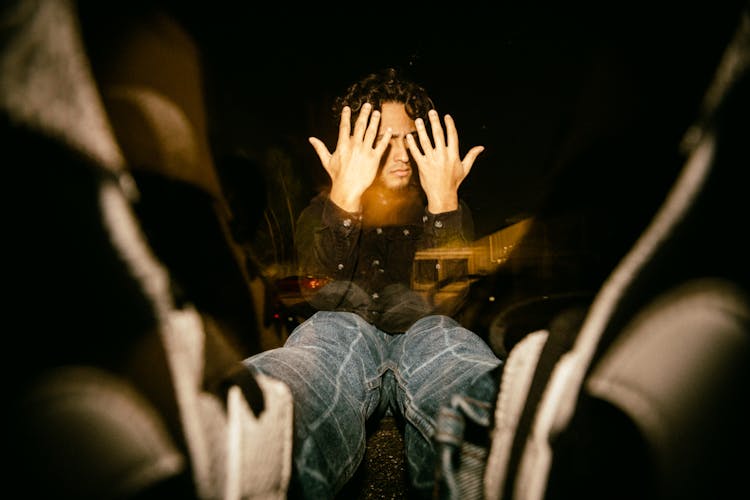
(400, 150)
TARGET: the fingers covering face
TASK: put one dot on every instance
(365, 126)
(438, 134)
(345, 124)
(450, 126)
(437, 129)
(361, 124)
(440, 138)
(424, 140)
(372, 128)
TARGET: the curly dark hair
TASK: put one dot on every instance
(387, 85)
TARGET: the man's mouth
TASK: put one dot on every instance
(401, 172)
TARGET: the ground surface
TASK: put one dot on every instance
(383, 471)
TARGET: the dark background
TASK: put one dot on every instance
(536, 86)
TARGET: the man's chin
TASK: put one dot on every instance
(397, 183)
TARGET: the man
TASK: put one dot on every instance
(375, 344)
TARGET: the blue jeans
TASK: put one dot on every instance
(343, 371)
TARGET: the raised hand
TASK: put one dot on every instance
(441, 169)
(354, 163)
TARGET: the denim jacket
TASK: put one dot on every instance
(368, 269)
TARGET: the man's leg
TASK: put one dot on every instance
(436, 358)
(331, 363)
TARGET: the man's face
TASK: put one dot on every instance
(395, 167)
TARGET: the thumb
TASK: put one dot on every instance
(470, 157)
(321, 150)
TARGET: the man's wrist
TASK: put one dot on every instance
(348, 203)
(442, 206)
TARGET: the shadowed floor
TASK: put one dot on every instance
(382, 474)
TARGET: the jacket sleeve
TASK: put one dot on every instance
(326, 240)
(454, 228)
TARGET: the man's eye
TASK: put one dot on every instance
(405, 136)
